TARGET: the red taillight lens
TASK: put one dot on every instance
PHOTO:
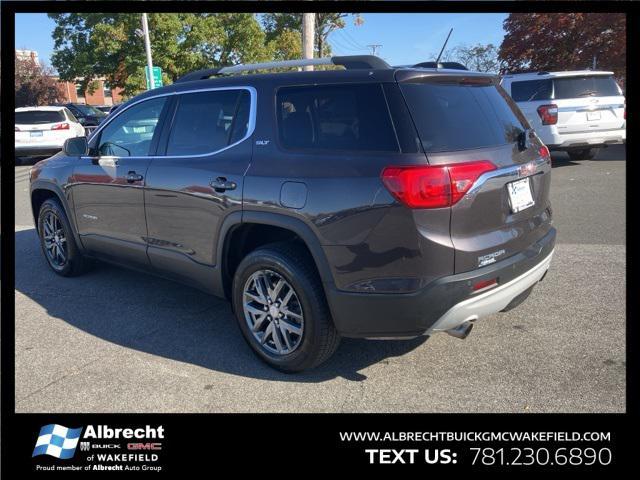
(60, 126)
(544, 152)
(548, 114)
(433, 186)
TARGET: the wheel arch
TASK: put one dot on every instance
(242, 220)
(42, 191)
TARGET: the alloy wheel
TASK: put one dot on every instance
(55, 240)
(273, 312)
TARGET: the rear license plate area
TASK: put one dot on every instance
(591, 116)
(520, 197)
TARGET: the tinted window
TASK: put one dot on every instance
(531, 90)
(204, 122)
(70, 115)
(89, 110)
(453, 117)
(34, 117)
(345, 117)
(587, 86)
(131, 132)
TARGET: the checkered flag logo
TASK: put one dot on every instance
(57, 441)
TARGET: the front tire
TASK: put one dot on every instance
(583, 154)
(281, 310)
(57, 240)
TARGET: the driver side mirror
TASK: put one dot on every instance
(76, 147)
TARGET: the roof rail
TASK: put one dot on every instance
(351, 62)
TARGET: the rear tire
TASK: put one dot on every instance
(583, 154)
(303, 336)
(58, 242)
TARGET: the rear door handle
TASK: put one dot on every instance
(134, 177)
(221, 184)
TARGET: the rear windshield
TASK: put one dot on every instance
(576, 87)
(562, 88)
(531, 90)
(335, 117)
(89, 110)
(453, 117)
(34, 117)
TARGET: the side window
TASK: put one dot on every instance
(70, 115)
(335, 117)
(205, 122)
(531, 90)
(131, 132)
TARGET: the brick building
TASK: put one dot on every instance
(72, 92)
(103, 95)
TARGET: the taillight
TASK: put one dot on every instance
(544, 152)
(548, 114)
(60, 126)
(433, 186)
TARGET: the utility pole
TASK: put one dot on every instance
(374, 48)
(594, 62)
(147, 46)
(308, 30)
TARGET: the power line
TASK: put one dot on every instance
(352, 40)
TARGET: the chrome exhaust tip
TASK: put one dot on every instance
(461, 331)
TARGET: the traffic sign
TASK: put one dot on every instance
(157, 77)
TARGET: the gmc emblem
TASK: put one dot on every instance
(144, 446)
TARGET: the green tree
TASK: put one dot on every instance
(276, 23)
(92, 45)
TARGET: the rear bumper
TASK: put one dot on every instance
(565, 141)
(445, 303)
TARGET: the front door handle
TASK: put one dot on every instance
(134, 177)
(221, 184)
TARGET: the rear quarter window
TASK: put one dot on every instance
(335, 117)
(454, 116)
(531, 90)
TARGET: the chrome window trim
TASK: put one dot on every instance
(253, 93)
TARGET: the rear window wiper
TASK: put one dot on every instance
(588, 93)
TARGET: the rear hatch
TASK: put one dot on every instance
(588, 103)
(40, 126)
(498, 167)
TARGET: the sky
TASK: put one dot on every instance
(405, 37)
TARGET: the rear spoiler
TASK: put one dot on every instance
(446, 76)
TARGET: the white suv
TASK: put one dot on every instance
(577, 112)
(42, 131)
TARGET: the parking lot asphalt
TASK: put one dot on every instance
(120, 341)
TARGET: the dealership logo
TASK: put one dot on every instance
(57, 441)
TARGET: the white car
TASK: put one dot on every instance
(42, 131)
(577, 111)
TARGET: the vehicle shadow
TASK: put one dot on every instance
(156, 316)
(611, 153)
